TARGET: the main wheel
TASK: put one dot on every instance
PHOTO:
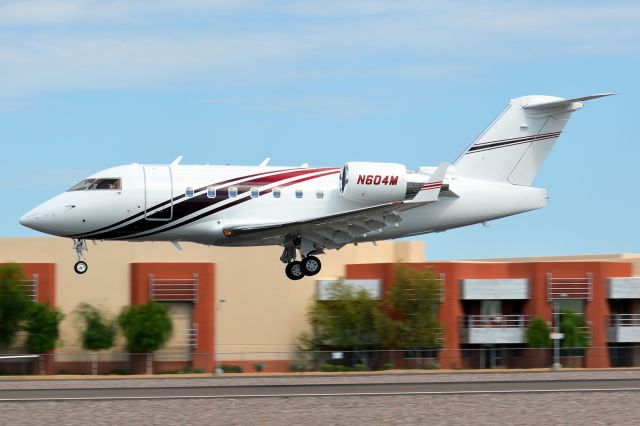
(294, 270)
(80, 267)
(311, 265)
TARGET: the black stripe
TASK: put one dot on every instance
(494, 145)
(518, 138)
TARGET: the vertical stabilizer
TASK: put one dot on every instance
(513, 148)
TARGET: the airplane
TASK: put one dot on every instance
(309, 210)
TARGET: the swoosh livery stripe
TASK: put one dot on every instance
(245, 198)
(198, 202)
(174, 199)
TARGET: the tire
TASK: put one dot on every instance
(311, 265)
(80, 267)
(294, 270)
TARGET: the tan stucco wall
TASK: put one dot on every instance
(263, 312)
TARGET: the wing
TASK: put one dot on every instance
(336, 230)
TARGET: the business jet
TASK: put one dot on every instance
(309, 210)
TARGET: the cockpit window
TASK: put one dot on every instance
(82, 185)
(104, 183)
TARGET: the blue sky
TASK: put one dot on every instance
(87, 84)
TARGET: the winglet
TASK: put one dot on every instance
(565, 102)
(431, 189)
(176, 161)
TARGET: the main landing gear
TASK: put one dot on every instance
(308, 266)
(80, 246)
(298, 269)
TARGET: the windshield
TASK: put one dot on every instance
(92, 184)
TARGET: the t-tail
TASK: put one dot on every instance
(513, 148)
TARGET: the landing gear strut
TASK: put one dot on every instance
(80, 246)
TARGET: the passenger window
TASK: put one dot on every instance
(189, 192)
(233, 192)
(299, 193)
(276, 192)
(255, 192)
(211, 192)
(319, 193)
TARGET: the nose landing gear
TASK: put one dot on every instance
(80, 246)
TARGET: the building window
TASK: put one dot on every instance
(276, 192)
(211, 192)
(319, 193)
(299, 193)
(189, 192)
(233, 192)
(255, 192)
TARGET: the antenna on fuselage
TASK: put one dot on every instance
(265, 162)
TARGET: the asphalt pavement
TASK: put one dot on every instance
(280, 390)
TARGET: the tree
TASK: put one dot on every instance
(42, 327)
(14, 303)
(415, 300)
(146, 328)
(574, 327)
(98, 331)
(538, 334)
(349, 320)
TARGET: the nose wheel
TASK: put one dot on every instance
(80, 267)
(80, 246)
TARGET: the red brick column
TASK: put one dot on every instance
(46, 294)
(597, 312)
(203, 308)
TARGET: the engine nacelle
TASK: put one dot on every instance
(373, 182)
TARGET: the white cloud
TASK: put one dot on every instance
(258, 42)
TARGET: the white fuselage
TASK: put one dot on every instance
(196, 203)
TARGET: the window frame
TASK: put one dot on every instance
(232, 192)
(299, 193)
(255, 192)
(189, 192)
(277, 192)
(211, 190)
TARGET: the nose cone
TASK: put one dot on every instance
(30, 220)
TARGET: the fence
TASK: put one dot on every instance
(496, 356)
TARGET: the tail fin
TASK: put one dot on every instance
(515, 145)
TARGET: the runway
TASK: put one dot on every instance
(88, 393)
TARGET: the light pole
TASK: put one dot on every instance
(556, 337)
(217, 337)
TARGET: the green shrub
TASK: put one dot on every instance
(118, 372)
(327, 368)
(359, 367)
(231, 368)
(433, 365)
(538, 334)
(258, 367)
(298, 366)
(388, 366)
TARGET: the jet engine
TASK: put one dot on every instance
(376, 182)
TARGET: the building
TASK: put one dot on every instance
(237, 303)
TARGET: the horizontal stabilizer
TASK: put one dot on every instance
(430, 190)
(563, 102)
